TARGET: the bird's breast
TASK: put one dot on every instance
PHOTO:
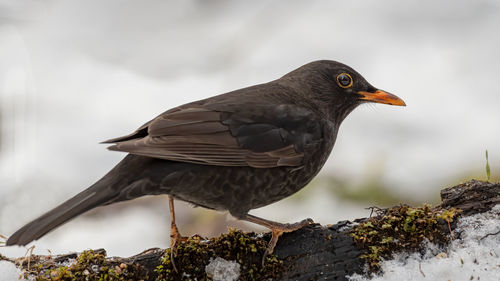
(271, 185)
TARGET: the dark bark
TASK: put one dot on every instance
(315, 252)
(471, 197)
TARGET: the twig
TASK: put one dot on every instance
(4, 258)
(374, 209)
(2, 242)
(30, 251)
(420, 269)
(451, 232)
(495, 233)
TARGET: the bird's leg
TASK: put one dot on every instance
(175, 236)
(277, 229)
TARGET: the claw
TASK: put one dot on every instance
(175, 241)
(277, 229)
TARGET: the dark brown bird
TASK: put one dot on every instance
(236, 151)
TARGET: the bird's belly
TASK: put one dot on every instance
(240, 189)
(237, 189)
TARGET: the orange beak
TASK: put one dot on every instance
(381, 97)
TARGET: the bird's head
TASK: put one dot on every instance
(338, 87)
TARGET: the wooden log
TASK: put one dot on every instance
(313, 253)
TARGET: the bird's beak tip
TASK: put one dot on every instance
(380, 96)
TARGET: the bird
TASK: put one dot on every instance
(232, 152)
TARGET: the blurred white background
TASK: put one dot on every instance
(74, 73)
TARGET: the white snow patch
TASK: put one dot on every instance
(222, 270)
(8, 271)
(475, 256)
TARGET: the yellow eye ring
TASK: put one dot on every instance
(344, 80)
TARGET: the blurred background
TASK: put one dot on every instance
(74, 73)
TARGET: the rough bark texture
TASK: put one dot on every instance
(471, 197)
(312, 253)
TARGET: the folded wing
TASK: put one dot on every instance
(226, 135)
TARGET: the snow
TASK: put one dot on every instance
(476, 256)
(8, 271)
(222, 270)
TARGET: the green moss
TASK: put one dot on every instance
(89, 265)
(192, 257)
(400, 228)
(244, 248)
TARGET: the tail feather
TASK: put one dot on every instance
(133, 177)
(90, 198)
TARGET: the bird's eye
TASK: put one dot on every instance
(344, 80)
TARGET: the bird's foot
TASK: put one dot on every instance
(278, 229)
(175, 240)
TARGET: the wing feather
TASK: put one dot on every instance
(238, 137)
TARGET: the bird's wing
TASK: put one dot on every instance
(262, 136)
